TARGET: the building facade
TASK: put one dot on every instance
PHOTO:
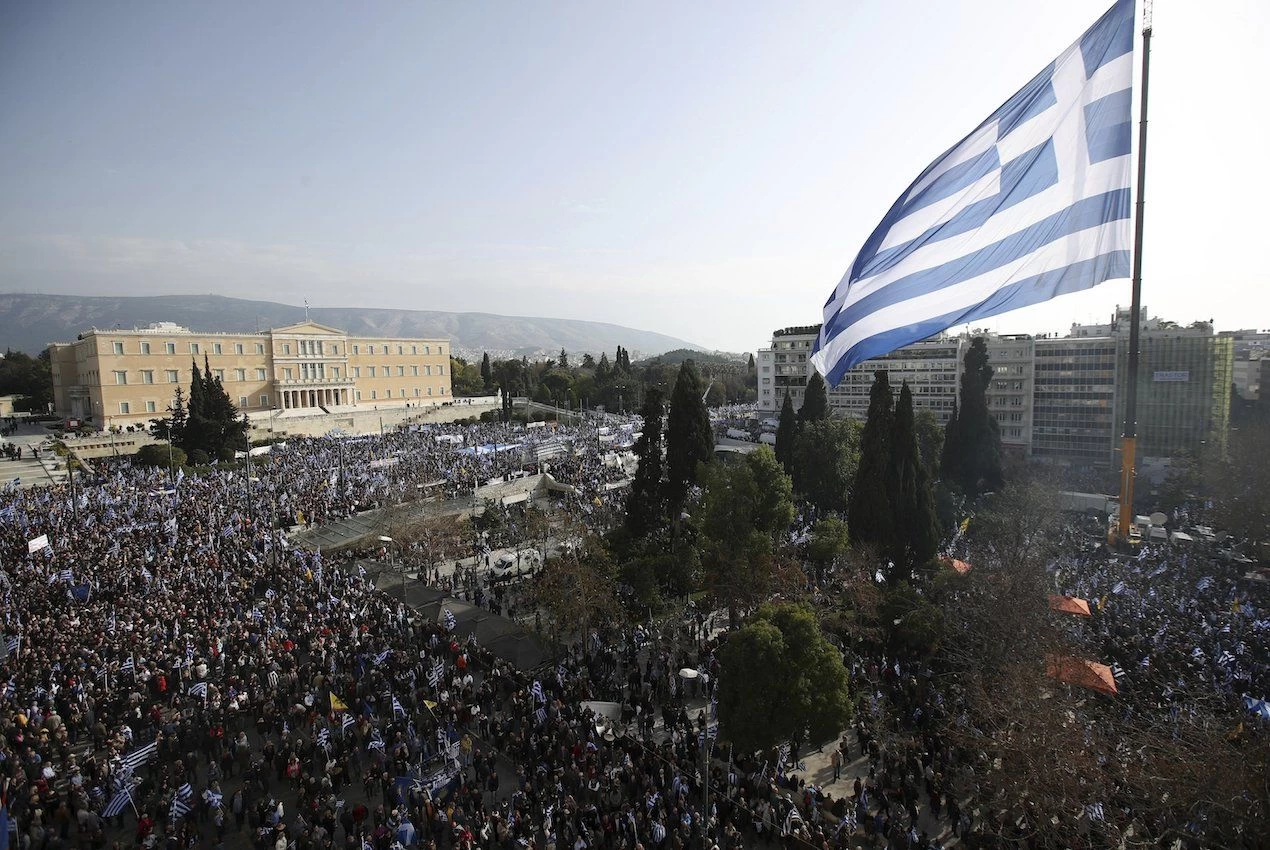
(1058, 399)
(128, 377)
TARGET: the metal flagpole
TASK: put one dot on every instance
(1129, 441)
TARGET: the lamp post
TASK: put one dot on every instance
(388, 541)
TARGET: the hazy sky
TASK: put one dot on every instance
(707, 170)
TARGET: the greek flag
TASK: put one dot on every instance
(185, 792)
(383, 656)
(13, 643)
(1035, 203)
(117, 803)
(376, 742)
(536, 690)
(397, 708)
(347, 722)
(435, 674)
(1117, 672)
(140, 756)
(324, 738)
(213, 800)
(179, 809)
(448, 618)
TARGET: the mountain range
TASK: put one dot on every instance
(29, 322)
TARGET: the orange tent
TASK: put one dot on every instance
(961, 567)
(1069, 605)
(1078, 671)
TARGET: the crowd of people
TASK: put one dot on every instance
(176, 673)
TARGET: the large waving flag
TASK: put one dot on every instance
(1033, 204)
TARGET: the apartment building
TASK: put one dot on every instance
(1058, 399)
(127, 377)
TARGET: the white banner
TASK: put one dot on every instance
(33, 546)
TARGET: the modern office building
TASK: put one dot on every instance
(127, 377)
(1058, 399)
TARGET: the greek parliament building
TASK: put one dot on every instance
(128, 377)
(1054, 398)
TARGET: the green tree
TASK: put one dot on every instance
(24, 375)
(912, 506)
(930, 441)
(602, 369)
(747, 507)
(172, 426)
(689, 440)
(972, 440)
(645, 511)
(869, 512)
(465, 378)
(487, 372)
(159, 455)
(826, 456)
(588, 361)
(815, 400)
(564, 359)
(786, 434)
(780, 680)
(830, 540)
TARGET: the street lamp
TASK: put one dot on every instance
(385, 539)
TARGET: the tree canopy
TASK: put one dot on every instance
(780, 680)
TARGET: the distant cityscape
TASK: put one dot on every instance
(1057, 398)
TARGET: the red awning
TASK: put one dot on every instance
(1069, 605)
(1080, 672)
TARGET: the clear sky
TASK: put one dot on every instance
(704, 169)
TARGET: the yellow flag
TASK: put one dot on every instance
(430, 704)
(337, 704)
(965, 523)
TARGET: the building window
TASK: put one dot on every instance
(220, 374)
(170, 347)
(414, 349)
(357, 395)
(238, 348)
(414, 370)
(240, 374)
(357, 371)
(335, 349)
(172, 375)
(147, 376)
(400, 350)
(150, 407)
(443, 391)
(145, 348)
(124, 408)
(287, 373)
(440, 370)
(264, 399)
(416, 392)
(260, 348)
(372, 395)
(429, 390)
(193, 348)
(242, 402)
(216, 348)
(118, 348)
(370, 370)
(121, 377)
(286, 348)
(401, 371)
(335, 372)
(440, 349)
(357, 349)
(387, 393)
(427, 349)
(403, 392)
(260, 374)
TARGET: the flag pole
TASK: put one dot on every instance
(1129, 440)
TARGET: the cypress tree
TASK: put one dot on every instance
(487, 372)
(815, 400)
(912, 505)
(786, 435)
(602, 369)
(644, 509)
(689, 440)
(977, 433)
(869, 518)
(952, 456)
(564, 359)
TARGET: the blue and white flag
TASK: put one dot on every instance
(13, 643)
(141, 755)
(536, 690)
(1035, 203)
(397, 708)
(347, 722)
(179, 809)
(185, 792)
(324, 738)
(447, 617)
(435, 673)
(121, 800)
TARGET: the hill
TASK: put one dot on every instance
(30, 322)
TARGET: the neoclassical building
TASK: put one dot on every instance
(126, 377)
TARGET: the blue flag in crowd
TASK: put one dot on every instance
(1033, 204)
